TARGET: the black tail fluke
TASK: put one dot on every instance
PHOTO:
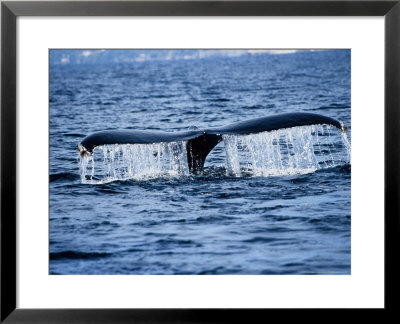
(275, 122)
(199, 143)
(198, 149)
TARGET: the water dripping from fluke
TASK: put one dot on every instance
(134, 162)
(286, 144)
(298, 150)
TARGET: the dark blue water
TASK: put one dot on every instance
(214, 223)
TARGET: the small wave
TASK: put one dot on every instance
(342, 168)
(301, 75)
(332, 106)
(63, 176)
(109, 191)
(176, 242)
(213, 219)
(75, 255)
(162, 96)
(220, 100)
(214, 271)
(192, 112)
(260, 239)
(74, 135)
(64, 92)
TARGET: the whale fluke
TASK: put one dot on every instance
(199, 143)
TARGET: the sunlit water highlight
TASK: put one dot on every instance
(292, 151)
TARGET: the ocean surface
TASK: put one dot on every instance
(268, 203)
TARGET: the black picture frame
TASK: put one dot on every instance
(10, 10)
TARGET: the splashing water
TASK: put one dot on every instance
(347, 146)
(297, 150)
(134, 161)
